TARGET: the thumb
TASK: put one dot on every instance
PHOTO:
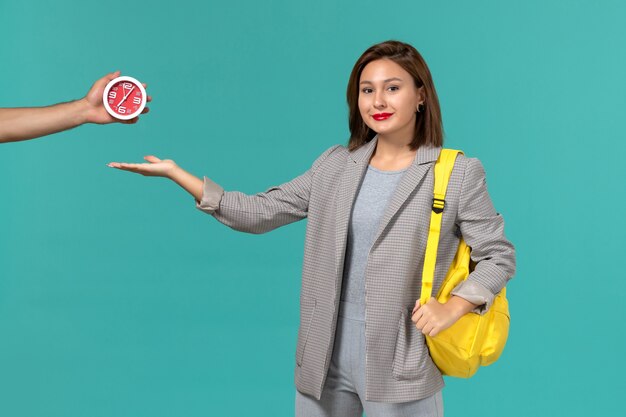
(112, 75)
(105, 80)
(152, 159)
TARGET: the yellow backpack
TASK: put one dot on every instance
(474, 340)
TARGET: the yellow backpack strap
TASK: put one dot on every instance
(443, 170)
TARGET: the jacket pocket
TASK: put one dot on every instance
(411, 353)
(307, 310)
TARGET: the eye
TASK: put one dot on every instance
(393, 88)
(366, 90)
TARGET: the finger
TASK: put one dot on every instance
(149, 98)
(422, 322)
(125, 165)
(118, 165)
(417, 306)
(416, 316)
(109, 77)
(134, 170)
(121, 167)
(144, 85)
(419, 325)
(433, 332)
(427, 329)
(152, 159)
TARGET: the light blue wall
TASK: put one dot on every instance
(118, 298)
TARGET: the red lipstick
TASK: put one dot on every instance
(381, 116)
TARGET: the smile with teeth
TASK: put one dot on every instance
(381, 116)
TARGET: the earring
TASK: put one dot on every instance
(418, 107)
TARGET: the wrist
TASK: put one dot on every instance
(81, 109)
(175, 173)
(459, 306)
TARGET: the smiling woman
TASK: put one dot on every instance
(393, 73)
(361, 344)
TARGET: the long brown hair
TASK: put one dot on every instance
(428, 124)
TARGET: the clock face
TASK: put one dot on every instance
(124, 98)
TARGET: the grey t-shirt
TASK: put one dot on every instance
(372, 198)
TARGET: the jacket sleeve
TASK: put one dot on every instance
(261, 212)
(482, 229)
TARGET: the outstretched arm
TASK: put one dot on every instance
(262, 212)
(258, 213)
(17, 124)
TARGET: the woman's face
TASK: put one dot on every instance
(388, 100)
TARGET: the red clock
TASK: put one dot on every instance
(124, 98)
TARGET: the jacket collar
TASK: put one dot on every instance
(425, 154)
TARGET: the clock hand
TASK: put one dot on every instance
(129, 91)
(123, 98)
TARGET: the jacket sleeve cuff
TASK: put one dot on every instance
(211, 196)
(476, 294)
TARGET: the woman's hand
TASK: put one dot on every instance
(154, 168)
(434, 317)
(165, 168)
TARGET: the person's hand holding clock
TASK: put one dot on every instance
(102, 109)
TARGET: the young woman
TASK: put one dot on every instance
(361, 343)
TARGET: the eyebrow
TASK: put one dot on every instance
(384, 82)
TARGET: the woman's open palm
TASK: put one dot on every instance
(154, 168)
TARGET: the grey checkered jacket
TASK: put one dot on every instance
(398, 365)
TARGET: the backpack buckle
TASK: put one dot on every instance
(438, 205)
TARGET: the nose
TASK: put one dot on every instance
(379, 100)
